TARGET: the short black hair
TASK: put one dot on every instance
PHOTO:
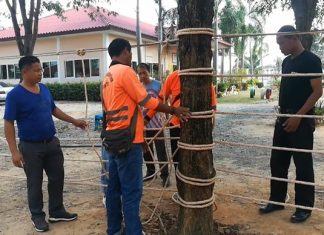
(288, 29)
(117, 46)
(28, 60)
(144, 66)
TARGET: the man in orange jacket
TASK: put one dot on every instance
(171, 89)
(122, 92)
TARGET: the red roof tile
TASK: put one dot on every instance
(79, 21)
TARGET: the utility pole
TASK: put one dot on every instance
(195, 52)
(138, 34)
(160, 38)
(215, 55)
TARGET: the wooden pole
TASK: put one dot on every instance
(195, 52)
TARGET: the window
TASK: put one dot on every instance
(46, 70)
(17, 72)
(11, 71)
(54, 70)
(95, 68)
(79, 70)
(69, 69)
(50, 69)
(75, 69)
(3, 72)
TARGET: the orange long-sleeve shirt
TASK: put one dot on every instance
(171, 88)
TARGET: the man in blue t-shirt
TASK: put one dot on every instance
(153, 88)
(31, 105)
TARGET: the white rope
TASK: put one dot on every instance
(196, 147)
(65, 181)
(269, 177)
(217, 36)
(289, 75)
(272, 202)
(195, 181)
(157, 129)
(192, 31)
(268, 114)
(203, 115)
(269, 34)
(268, 147)
(196, 72)
(72, 52)
(193, 205)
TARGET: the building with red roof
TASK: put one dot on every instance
(60, 39)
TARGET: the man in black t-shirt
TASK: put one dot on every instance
(297, 95)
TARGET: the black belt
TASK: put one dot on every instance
(287, 111)
(46, 141)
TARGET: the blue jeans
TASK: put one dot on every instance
(104, 178)
(125, 191)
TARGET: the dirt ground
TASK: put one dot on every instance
(233, 216)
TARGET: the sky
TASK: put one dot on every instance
(148, 13)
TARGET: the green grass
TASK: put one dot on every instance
(244, 98)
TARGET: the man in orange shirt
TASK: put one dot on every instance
(122, 93)
(171, 89)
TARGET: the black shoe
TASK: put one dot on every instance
(40, 224)
(270, 208)
(300, 216)
(165, 181)
(148, 176)
(62, 216)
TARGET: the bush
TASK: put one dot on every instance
(74, 91)
(223, 86)
(244, 86)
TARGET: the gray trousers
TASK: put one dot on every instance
(39, 157)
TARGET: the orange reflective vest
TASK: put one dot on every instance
(121, 93)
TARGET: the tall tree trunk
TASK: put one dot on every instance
(304, 11)
(195, 52)
(26, 43)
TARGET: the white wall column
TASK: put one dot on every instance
(105, 62)
(60, 62)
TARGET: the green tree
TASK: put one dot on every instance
(232, 20)
(168, 21)
(305, 12)
(258, 48)
(30, 13)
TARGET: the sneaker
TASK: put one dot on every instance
(40, 224)
(62, 216)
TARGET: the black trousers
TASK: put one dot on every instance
(160, 151)
(175, 132)
(280, 161)
(39, 157)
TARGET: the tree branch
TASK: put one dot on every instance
(13, 12)
(35, 28)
